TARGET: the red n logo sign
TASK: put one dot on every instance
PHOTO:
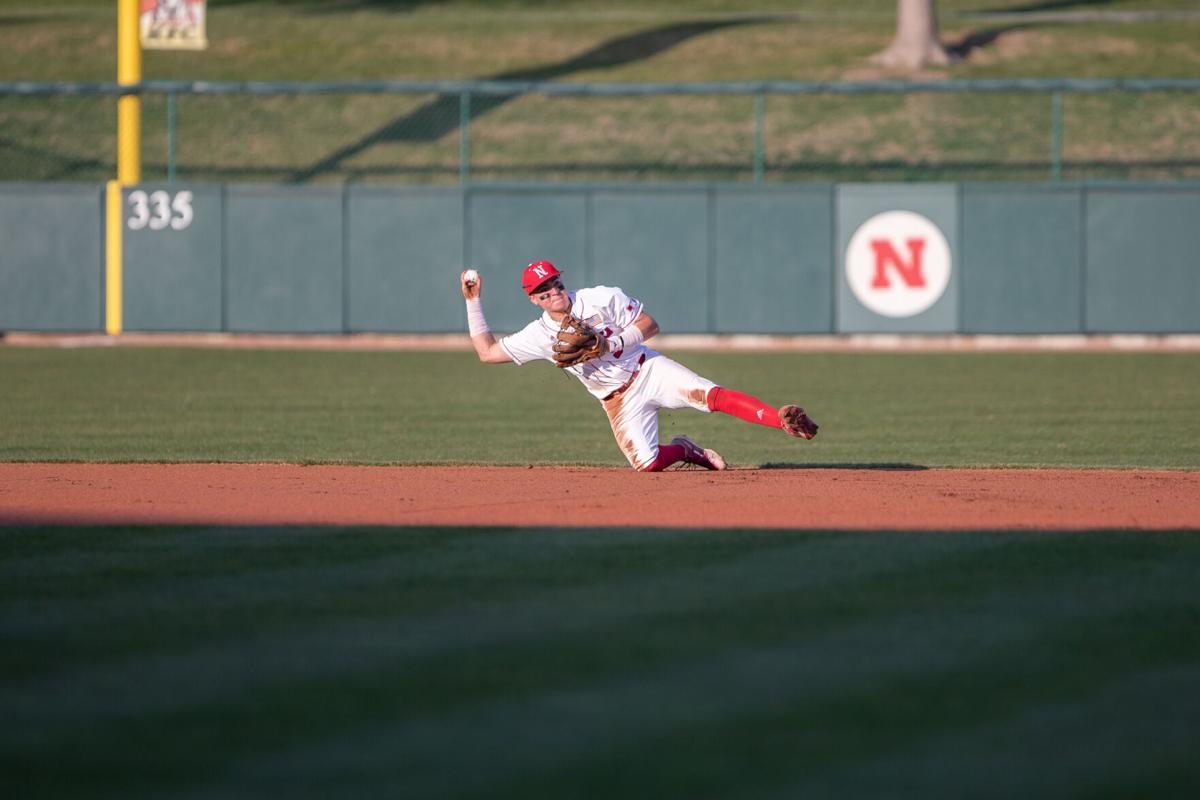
(898, 264)
(909, 272)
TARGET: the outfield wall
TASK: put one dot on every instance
(705, 258)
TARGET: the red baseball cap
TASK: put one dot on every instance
(536, 274)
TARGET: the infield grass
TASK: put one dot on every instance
(129, 404)
(327, 662)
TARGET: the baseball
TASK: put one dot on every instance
(470, 277)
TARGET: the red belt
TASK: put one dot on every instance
(626, 384)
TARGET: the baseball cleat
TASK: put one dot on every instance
(795, 422)
(700, 456)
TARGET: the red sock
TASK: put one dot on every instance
(743, 406)
(668, 454)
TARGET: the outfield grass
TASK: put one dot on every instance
(339, 138)
(437, 663)
(381, 39)
(937, 410)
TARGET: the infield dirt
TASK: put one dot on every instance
(838, 498)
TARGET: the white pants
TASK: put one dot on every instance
(633, 414)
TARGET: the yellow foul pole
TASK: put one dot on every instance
(129, 155)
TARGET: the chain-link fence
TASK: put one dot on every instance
(440, 133)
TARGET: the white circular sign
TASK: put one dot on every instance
(898, 263)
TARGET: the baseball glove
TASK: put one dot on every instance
(796, 423)
(576, 343)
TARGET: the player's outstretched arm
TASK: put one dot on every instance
(647, 325)
(637, 332)
(485, 344)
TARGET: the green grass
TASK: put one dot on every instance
(330, 139)
(301, 662)
(162, 404)
(371, 39)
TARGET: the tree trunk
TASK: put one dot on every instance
(916, 44)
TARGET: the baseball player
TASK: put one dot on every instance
(597, 335)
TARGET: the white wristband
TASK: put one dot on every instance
(630, 337)
(476, 323)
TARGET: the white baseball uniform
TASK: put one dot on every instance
(631, 384)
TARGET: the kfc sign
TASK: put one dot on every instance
(898, 264)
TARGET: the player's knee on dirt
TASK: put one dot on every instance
(648, 465)
(664, 456)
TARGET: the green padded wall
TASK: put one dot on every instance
(654, 244)
(1021, 260)
(404, 254)
(773, 256)
(511, 227)
(284, 260)
(172, 257)
(722, 258)
(52, 258)
(1143, 260)
(858, 204)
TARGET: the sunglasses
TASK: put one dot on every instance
(543, 292)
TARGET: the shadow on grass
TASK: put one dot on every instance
(440, 116)
(977, 40)
(1046, 5)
